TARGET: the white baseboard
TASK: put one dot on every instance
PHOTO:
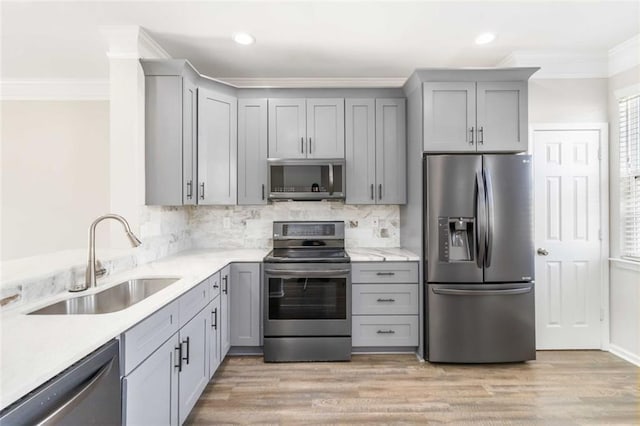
(624, 354)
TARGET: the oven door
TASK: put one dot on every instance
(307, 299)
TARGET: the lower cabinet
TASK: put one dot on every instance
(150, 392)
(215, 358)
(385, 304)
(246, 309)
(194, 362)
(225, 311)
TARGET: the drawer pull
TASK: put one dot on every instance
(385, 274)
(178, 357)
(387, 300)
(185, 357)
(386, 332)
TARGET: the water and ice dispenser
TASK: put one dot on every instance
(456, 239)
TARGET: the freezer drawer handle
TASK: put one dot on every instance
(386, 300)
(385, 274)
(386, 332)
(454, 292)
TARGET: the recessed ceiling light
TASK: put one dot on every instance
(244, 38)
(485, 38)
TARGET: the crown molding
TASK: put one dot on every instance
(131, 42)
(560, 64)
(54, 90)
(624, 56)
(305, 82)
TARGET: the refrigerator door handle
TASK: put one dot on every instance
(490, 222)
(455, 292)
(481, 232)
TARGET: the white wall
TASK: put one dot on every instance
(568, 100)
(55, 174)
(624, 279)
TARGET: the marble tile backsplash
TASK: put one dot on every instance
(164, 231)
(168, 230)
(251, 226)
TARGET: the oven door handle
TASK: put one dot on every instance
(309, 274)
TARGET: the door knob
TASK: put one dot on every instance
(543, 252)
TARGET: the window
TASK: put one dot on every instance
(630, 175)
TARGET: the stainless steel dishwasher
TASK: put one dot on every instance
(87, 393)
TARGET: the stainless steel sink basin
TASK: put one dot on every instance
(113, 299)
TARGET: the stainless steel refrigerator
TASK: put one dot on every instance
(479, 265)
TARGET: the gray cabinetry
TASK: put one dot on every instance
(375, 151)
(217, 147)
(194, 372)
(252, 151)
(214, 336)
(246, 308)
(225, 312)
(325, 128)
(385, 304)
(483, 116)
(306, 128)
(150, 392)
(170, 139)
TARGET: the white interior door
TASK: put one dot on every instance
(567, 222)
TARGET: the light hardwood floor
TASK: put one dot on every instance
(560, 387)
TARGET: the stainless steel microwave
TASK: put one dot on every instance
(306, 180)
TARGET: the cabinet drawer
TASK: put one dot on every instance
(383, 299)
(378, 330)
(214, 285)
(145, 337)
(193, 301)
(384, 272)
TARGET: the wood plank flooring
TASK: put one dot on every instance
(560, 387)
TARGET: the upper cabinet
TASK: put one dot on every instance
(252, 151)
(376, 151)
(483, 116)
(171, 103)
(217, 147)
(306, 128)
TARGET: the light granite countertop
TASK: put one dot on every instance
(386, 254)
(35, 348)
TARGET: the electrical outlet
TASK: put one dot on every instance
(226, 223)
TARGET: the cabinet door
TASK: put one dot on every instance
(150, 392)
(189, 141)
(360, 150)
(502, 116)
(194, 338)
(449, 117)
(225, 315)
(217, 147)
(287, 128)
(391, 151)
(325, 128)
(245, 304)
(252, 151)
(214, 336)
(163, 140)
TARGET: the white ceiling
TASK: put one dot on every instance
(56, 40)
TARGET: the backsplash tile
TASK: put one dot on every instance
(251, 226)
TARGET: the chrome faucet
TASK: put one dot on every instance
(92, 271)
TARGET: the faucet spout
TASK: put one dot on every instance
(90, 277)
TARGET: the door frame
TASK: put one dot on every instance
(603, 158)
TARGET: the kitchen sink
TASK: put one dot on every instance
(113, 299)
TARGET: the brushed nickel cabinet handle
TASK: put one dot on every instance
(389, 274)
(263, 191)
(226, 282)
(309, 148)
(387, 300)
(380, 192)
(302, 145)
(471, 134)
(189, 189)
(202, 191)
(372, 194)
(481, 135)
(386, 332)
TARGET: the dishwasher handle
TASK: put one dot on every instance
(68, 406)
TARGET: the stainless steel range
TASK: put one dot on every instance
(307, 293)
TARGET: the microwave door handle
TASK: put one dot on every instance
(330, 179)
(480, 220)
(490, 222)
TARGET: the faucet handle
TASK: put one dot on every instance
(100, 271)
